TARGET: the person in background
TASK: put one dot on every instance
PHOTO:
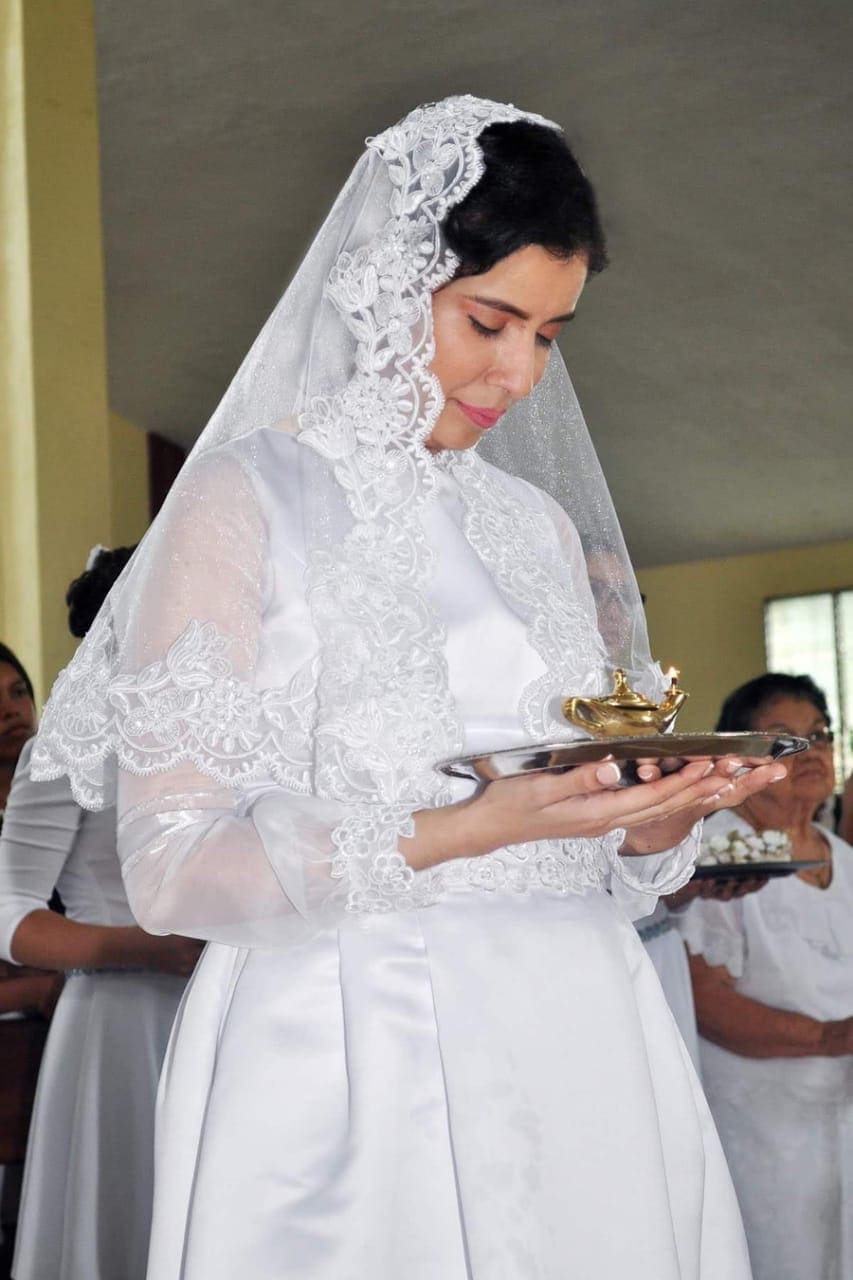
(773, 984)
(86, 1200)
(22, 990)
(27, 996)
(17, 718)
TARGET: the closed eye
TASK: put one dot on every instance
(483, 329)
(493, 333)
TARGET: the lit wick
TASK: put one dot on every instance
(672, 676)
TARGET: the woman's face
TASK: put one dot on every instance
(17, 714)
(493, 334)
(811, 776)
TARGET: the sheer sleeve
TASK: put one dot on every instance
(39, 829)
(639, 881)
(215, 846)
(715, 931)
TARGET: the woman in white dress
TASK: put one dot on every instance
(773, 979)
(425, 1039)
(21, 990)
(86, 1203)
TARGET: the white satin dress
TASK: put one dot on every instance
(489, 1087)
(86, 1202)
(786, 1123)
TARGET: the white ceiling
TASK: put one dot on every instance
(713, 358)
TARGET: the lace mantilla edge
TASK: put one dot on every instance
(382, 645)
(188, 707)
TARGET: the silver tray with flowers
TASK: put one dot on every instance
(741, 855)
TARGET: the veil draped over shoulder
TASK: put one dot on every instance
(177, 692)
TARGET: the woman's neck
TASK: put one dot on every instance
(767, 813)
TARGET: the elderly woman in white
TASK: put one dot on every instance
(773, 983)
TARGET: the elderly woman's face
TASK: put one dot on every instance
(493, 334)
(811, 775)
(17, 714)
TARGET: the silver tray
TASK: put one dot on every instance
(673, 750)
(753, 870)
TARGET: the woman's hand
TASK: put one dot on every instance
(171, 953)
(717, 889)
(737, 781)
(756, 1030)
(836, 1039)
(51, 941)
(31, 991)
(583, 802)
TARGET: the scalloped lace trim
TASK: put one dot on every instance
(562, 866)
(187, 707)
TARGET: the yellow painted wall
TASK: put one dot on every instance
(128, 482)
(72, 475)
(707, 617)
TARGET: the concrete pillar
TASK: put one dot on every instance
(56, 469)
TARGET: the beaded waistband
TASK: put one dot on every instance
(88, 973)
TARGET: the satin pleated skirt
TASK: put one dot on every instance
(492, 1088)
(86, 1202)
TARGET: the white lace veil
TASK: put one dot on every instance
(341, 368)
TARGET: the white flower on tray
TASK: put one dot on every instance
(736, 847)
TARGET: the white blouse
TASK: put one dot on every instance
(49, 842)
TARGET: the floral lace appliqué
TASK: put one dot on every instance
(386, 712)
(189, 706)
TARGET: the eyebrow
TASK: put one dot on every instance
(819, 722)
(497, 305)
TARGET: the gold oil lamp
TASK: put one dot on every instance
(625, 713)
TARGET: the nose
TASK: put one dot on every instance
(514, 369)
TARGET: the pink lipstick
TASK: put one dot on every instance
(482, 418)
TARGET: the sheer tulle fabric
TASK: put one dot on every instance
(176, 685)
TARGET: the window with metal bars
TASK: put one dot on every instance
(813, 635)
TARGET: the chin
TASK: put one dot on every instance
(455, 439)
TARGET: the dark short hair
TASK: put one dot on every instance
(740, 708)
(533, 191)
(87, 593)
(6, 655)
